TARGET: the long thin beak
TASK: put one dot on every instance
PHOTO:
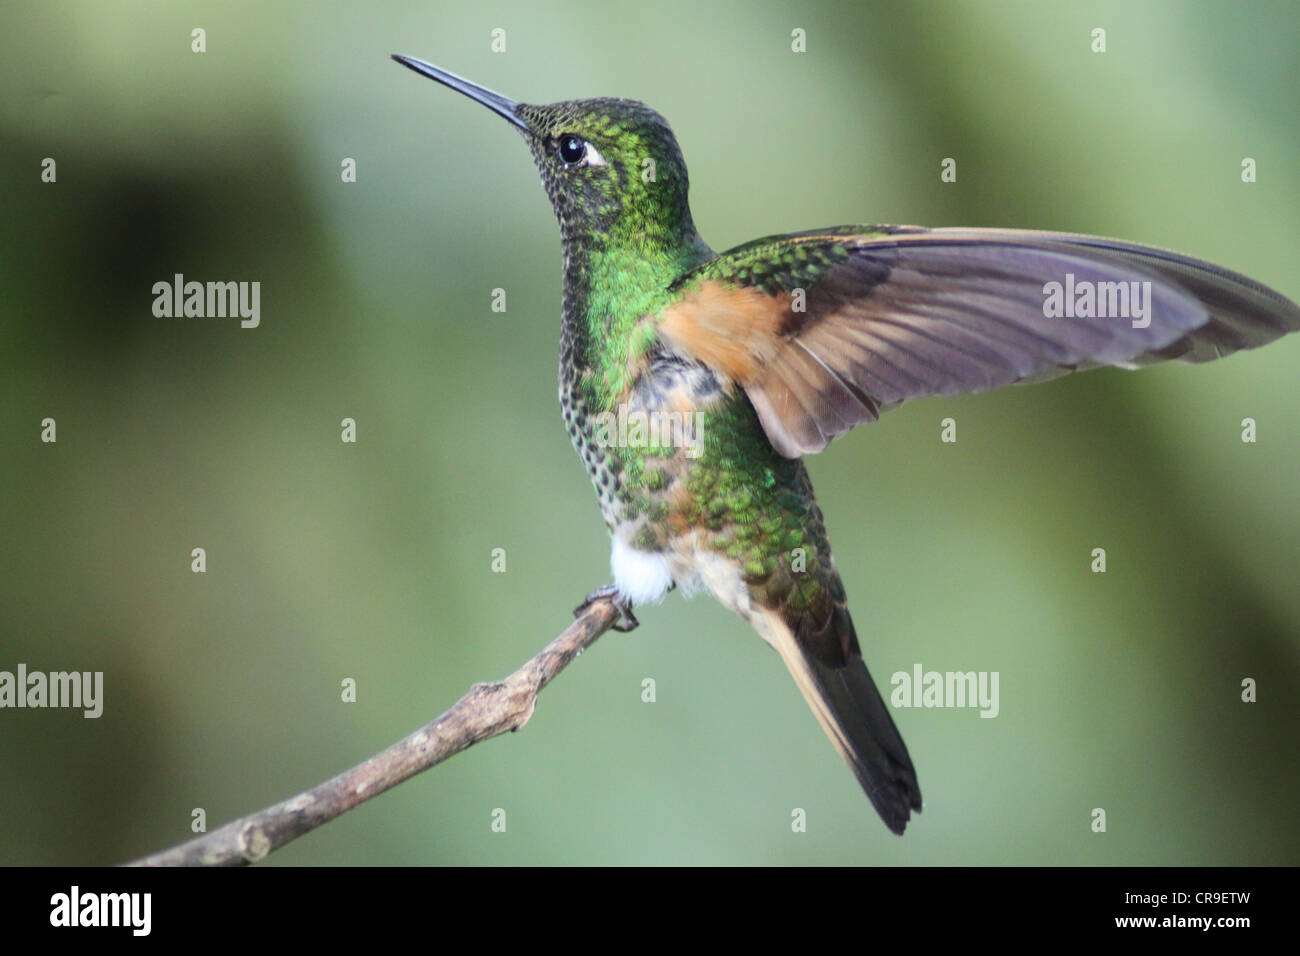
(494, 101)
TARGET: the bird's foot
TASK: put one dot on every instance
(627, 620)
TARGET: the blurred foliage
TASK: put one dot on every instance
(371, 561)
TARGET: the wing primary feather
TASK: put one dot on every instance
(896, 313)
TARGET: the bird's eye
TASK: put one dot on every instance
(571, 149)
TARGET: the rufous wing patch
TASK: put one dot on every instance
(733, 330)
(753, 339)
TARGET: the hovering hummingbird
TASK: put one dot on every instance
(754, 357)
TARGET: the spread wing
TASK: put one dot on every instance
(827, 329)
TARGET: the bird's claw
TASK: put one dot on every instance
(626, 621)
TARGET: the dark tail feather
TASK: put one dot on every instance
(855, 718)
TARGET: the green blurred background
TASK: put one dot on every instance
(372, 561)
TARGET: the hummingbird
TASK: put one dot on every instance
(693, 382)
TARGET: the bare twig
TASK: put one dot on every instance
(486, 711)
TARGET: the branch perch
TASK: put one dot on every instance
(486, 711)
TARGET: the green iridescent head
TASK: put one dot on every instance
(611, 167)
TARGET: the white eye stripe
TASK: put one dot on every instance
(593, 157)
